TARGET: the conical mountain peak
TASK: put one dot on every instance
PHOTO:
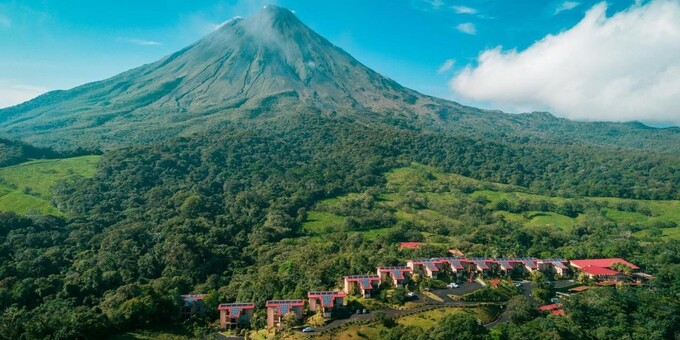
(262, 66)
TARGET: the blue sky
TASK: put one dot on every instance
(60, 44)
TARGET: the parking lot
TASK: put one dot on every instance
(464, 288)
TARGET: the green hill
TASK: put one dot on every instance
(26, 188)
(436, 204)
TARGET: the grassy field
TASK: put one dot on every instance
(26, 188)
(423, 320)
(439, 190)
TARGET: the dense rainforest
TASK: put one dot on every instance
(221, 213)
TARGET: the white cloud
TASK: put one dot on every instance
(142, 42)
(464, 10)
(566, 6)
(467, 28)
(446, 66)
(215, 27)
(13, 94)
(436, 4)
(619, 68)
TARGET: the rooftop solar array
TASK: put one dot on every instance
(357, 277)
(393, 268)
(480, 263)
(363, 280)
(559, 263)
(365, 284)
(273, 303)
(325, 293)
(242, 305)
(504, 263)
(284, 306)
(397, 272)
(327, 300)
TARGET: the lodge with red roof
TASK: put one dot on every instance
(366, 284)
(601, 269)
(277, 309)
(327, 300)
(554, 309)
(397, 274)
(235, 314)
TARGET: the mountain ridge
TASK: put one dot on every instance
(266, 67)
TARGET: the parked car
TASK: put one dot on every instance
(452, 285)
(518, 285)
(410, 294)
(307, 330)
(554, 300)
(358, 311)
(365, 311)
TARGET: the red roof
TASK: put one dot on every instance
(558, 312)
(554, 306)
(602, 263)
(597, 271)
(409, 245)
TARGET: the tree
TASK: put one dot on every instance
(456, 326)
(289, 320)
(520, 311)
(384, 320)
(620, 267)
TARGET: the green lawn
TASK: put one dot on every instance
(26, 188)
(319, 222)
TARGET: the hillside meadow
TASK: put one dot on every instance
(422, 196)
(26, 188)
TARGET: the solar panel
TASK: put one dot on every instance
(431, 266)
(234, 312)
(285, 308)
(355, 277)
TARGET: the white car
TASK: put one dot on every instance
(452, 285)
(410, 294)
(308, 330)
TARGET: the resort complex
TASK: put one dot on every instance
(325, 303)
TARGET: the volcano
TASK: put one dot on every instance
(267, 66)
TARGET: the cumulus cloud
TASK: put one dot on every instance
(464, 10)
(446, 66)
(566, 6)
(467, 28)
(13, 94)
(619, 68)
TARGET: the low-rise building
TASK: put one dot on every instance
(277, 309)
(192, 304)
(397, 274)
(235, 314)
(325, 301)
(365, 283)
(604, 269)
